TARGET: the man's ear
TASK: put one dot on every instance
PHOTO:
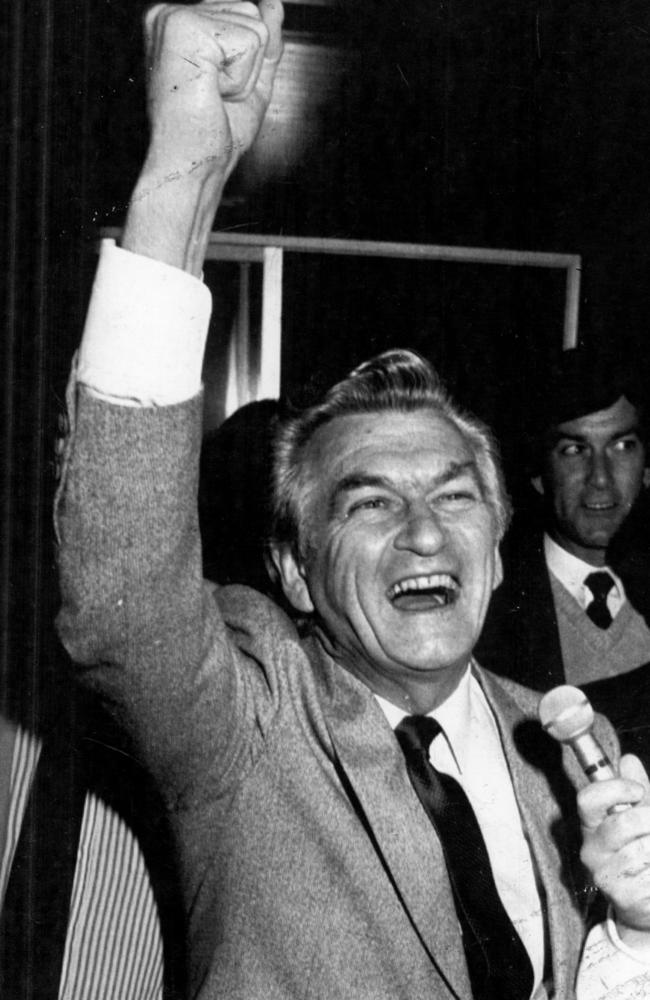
(646, 477)
(292, 577)
(538, 485)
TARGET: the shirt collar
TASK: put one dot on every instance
(571, 572)
(454, 714)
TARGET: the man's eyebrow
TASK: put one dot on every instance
(355, 481)
(556, 436)
(633, 428)
(456, 469)
(359, 480)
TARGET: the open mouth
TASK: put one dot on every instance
(423, 593)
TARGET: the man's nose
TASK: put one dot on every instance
(422, 531)
(600, 473)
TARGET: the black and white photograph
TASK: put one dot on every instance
(325, 526)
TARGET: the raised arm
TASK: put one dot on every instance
(136, 615)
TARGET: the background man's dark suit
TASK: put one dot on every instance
(521, 640)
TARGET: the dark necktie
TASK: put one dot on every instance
(498, 964)
(599, 584)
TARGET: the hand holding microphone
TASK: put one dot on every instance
(616, 838)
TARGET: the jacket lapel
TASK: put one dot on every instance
(404, 837)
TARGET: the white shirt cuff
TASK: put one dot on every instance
(609, 969)
(145, 331)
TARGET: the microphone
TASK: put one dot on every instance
(566, 714)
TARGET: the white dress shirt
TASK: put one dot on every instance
(145, 331)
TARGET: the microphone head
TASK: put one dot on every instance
(565, 713)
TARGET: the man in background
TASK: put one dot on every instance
(576, 590)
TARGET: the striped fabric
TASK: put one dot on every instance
(27, 750)
(113, 945)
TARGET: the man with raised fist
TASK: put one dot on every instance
(360, 811)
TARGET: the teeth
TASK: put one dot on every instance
(414, 583)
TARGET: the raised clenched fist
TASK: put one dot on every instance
(210, 74)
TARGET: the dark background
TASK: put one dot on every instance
(507, 123)
(502, 124)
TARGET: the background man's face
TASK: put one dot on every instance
(594, 469)
(401, 553)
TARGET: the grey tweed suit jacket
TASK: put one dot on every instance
(309, 867)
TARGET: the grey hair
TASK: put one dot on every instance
(398, 381)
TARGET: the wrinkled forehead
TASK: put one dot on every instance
(422, 438)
